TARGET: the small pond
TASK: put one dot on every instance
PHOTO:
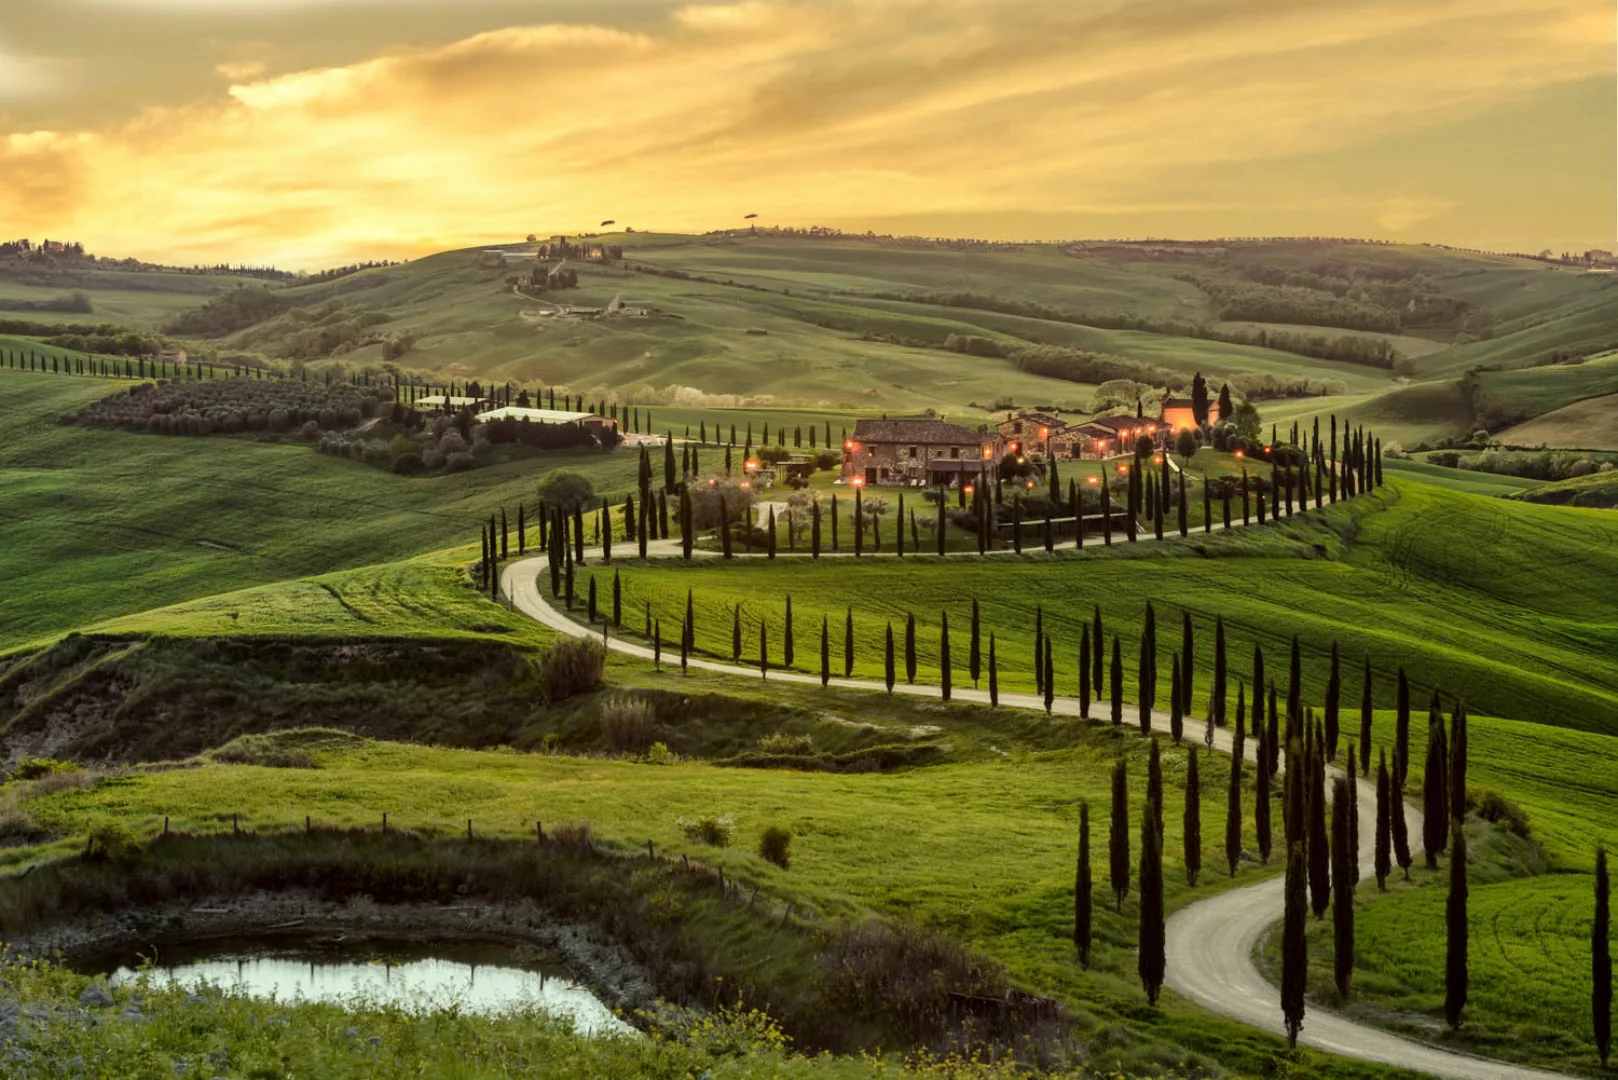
(474, 976)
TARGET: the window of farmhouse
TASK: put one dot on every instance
(1016, 429)
(912, 453)
(955, 452)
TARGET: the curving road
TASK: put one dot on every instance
(1211, 943)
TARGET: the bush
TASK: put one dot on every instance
(775, 846)
(627, 722)
(32, 768)
(1494, 807)
(109, 839)
(571, 667)
(565, 487)
(828, 459)
(791, 745)
(660, 754)
(711, 829)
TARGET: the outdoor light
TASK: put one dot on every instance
(967, 489)
(749, 464)
(859, 481)
(1043, 432)
(849, 445)
(745, 484)
(1030, 485)
(1157, 459)
(1122, 469)
(1240, 454)
(1093, 480)
(988, 452)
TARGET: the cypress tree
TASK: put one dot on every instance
(825, 651)
(974, 655)
(834, 544)
(657, 645)
(1143, 690)
(1342, 875)
(1456, 976)
(685, 643)
(1106, 512)
(1049, 668)
(787, 649)
(1039, 648)
(590, 602)
(1318, 852)
(1193, 820)
(1117, 682)
(1258, 691)
(1233, 810)
(1272, 740)
(1365, 720)
(1151, 960)
(1601, 961)
(1384, 824)
(522, 531)
(814, 530)
(1176, 695)
(1294, 944)
(1333, 689)
(1184, 524)
(1401, 734)
(763, 649)
(1353, 817)
(1216, 694)
(687, 525)
(899, 528)
(1154, 784)
(859, 524)
(736, 633)
(1188, 661)
(994, 675)
(943, 657)
(887, 659)
(769, 548)
(1083, 888)
(617, 601)
(910, 648)
(1398, 826)
(1435, 789)
(1084, 671)
(1097, 644)
(1118, 846)
(848, 641)
(1294, 686)
(1261, 798)
(1207, 506)
(578, 533)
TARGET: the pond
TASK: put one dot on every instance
(473, 976)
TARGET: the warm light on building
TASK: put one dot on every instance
(849, 445)
(988, 453)
(1122, 469)
(1093, 480)
(1157, 459)
(967, 490)
(1240, 454)
(859, 481)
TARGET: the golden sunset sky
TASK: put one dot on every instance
(306, 133)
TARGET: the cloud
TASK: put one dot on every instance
(238, 70)
(22, 78)
(806, 110)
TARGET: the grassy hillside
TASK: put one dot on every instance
(98, 523)
(1473, 482)
(1591, 424)
(1597, 491)
(1487, 621)
(143, 299)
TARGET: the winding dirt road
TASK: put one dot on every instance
(1210, 944)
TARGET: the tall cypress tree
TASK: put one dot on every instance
(1118, 845)
(943, 657)
(688, 531)
(1365, 720)
(1294, 687)
(1147, 691)
(787, 650)
(1098, 644)
(1154, 784)
(590, 601)
(1151, 960)
(1353, 817)
(1039, 647)
(1049, 669)
(1384, 823)
(887, 659)
(1117, 682)
(769, 544)
(1083, 889)
(1176, 696)
(763, 649)
(736, 633)
(848, 641)
(1294, 943)
(1435, 792)
(994, 675)
(617, 601)
(974, 656)
(910, 647)
(1084, 671)
(1456, 976)
(1233, 811)
(1457, 762)
(1216, 693)
(1261, 798)
(1601, 961)
(825, 651)
(1342, 875)
(1193, 820)
(1272, 740)
(1334, 686)
(814, 529)
(1319, 854)
(1398, 826)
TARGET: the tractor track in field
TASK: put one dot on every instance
(1211, 943)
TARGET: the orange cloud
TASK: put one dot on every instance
(808, 110)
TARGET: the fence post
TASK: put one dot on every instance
(307, 828)
(539, 830)
(650, 854)
(384, 821)
(165, 826)
(469, 828)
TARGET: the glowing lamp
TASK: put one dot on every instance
(744, 484)
(849, 445)
(1030, 485)
(1044, 432)
(1240, 455)
(859, 481)
(988, 453)
(1122, 469)
(967, 489)
(1092, 481)
(1157, 459)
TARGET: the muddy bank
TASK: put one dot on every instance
(533, 936)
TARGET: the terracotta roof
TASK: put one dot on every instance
(930, 432)
(1118, 423)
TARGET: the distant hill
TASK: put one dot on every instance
(1391, 332)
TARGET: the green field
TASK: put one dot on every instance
(1584, 425)
(1471, 481)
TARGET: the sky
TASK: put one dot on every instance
(311, 133)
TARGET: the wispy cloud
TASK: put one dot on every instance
(808, 110)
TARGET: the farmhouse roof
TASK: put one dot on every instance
(932, 432)
(1116, 423)
(538, 416)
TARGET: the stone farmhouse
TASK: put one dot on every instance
(915, 453)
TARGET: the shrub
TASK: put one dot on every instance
(660, 754)
(775, 846)
(32, 768)
(565, 487)
(627, 722)
(109, 839)
(571, 667)
(711, 829)
(1492, 806)
(783, 743)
